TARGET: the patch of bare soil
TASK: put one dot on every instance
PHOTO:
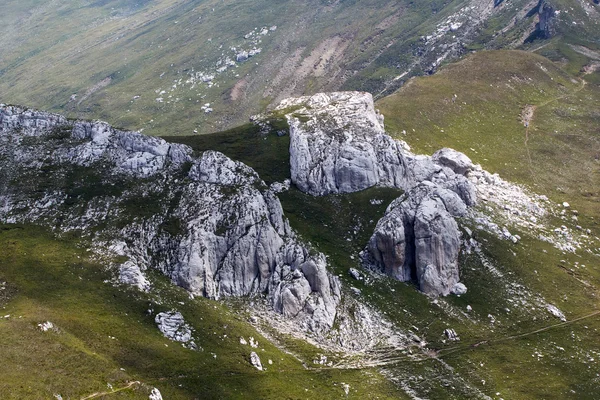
(239, 89)
(527, 115)
(100, 85)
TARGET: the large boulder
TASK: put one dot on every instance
(418, 240)
(338, 145)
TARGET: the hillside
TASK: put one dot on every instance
(516, 113)
(531, 298)
(179, 67)
(436, 237)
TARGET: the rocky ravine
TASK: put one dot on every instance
(207, 222)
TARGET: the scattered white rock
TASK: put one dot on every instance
(131, 274)
(255, 361)
(552, 309)
(173, 326)
(46, 326)
(253, 343)
(355, 274)
(346, 388)
(280, 187)
(459, 289)
(155, 395)
(451, 335)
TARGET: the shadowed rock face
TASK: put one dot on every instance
(216, 230)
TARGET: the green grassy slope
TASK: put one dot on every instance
(479, 106)
(108, 52)
(556, 155)
(106, 336)
(119, 57)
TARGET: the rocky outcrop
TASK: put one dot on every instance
(338, 145)
(255, 361)
(131, 274)
(155, 395)
(173, 326)
(546, 26)
(207, 222)
(28, 122)
(418, 239)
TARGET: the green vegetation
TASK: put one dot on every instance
(146, 65)
(267, 152)
(478, 106)
(105, 334)
(531, 116)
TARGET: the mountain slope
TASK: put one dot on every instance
(155, 65)
(517, 114)
(104, 338)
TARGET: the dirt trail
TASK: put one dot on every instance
(99, 394)
(526, 118)
(528, 114)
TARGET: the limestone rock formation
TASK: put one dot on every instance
(155, 395)
(418, 240)
(209, 223)
(547, 19)
(173, 326)
(338, 145)
(255, 361)
(131, 274)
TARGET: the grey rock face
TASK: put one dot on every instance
(215, 227)
(130, 274)
(459, 289)
(455, 160)
(418, 240)
(255, 361)
(93, 142)
(155, 395)
(338, 145)
(451, 335)
(29, 122)
(546, 25)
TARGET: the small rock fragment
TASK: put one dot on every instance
(155, 395)
(255, 361)
(451, 335)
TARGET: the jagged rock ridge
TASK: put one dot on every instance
(213, 226)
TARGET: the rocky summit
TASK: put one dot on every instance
(223, 232)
